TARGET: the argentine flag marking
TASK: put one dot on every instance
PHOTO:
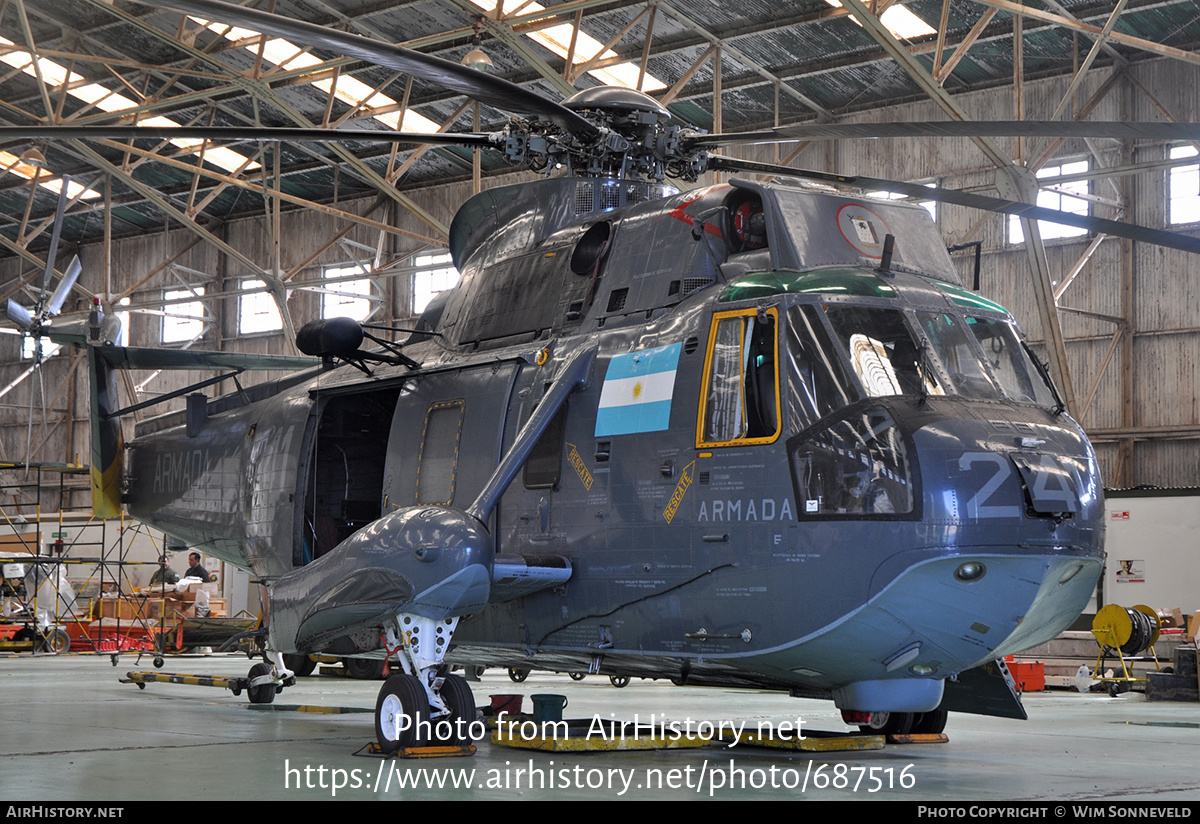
(637, 391)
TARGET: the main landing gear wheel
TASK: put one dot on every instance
(577, 676)
(364, 669)
(889, 723)
(517, 675)
(302, 665)
(459, 699)
(930, 723)
(619, 681)
(265, 693)
(401, 697)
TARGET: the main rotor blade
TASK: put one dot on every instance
(1145, 234)
(19, 315)
(493, 91)
(956, 128)
(236, 133)
(64, 285)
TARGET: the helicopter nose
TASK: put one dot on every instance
(1014, 536)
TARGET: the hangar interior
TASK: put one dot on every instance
(183, 250)
(233, 245)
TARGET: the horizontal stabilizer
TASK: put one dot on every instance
(129, 357)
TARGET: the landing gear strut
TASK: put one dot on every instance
(420, 707)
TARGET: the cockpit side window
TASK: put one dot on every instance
(740, 402)
(817, 381)
(958, 356)
(1009, 361)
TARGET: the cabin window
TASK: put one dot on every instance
(437, 464)
(740, 404)
(257, 310)
(433, 272)
(184, 319)
(347, 293)
(857, 467)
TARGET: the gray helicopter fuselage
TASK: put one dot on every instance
(799, 461)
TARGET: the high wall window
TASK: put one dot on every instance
(184, 321)
(928, 205)
(257, 311)
(1064, 197)
(434, 273)
(348, 298)
(28, 344)
(123, 318)
(1183, 188)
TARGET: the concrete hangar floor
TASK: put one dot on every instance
(72, 732)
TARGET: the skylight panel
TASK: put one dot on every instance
(350, 90)
(898, 20)
(558, 39)
(109, 101)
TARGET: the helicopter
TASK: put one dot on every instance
(753, 434)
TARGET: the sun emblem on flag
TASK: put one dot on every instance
(637, 390)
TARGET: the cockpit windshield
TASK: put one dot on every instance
(839, 353)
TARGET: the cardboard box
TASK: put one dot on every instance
(189, 592)
(18, 543)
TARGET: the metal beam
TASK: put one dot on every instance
(1087, 28)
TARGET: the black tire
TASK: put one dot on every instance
(56, 641)
(158, 663)
(301, 666)
(930, 723)
(265, 693)
(619, 681)
(365, 669)
(889, 723)
(517, 675)
(456, 692)
(401, 695)
(577, 676)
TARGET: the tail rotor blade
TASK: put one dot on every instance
(55, 233)
(64, 286)
(19, 315)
